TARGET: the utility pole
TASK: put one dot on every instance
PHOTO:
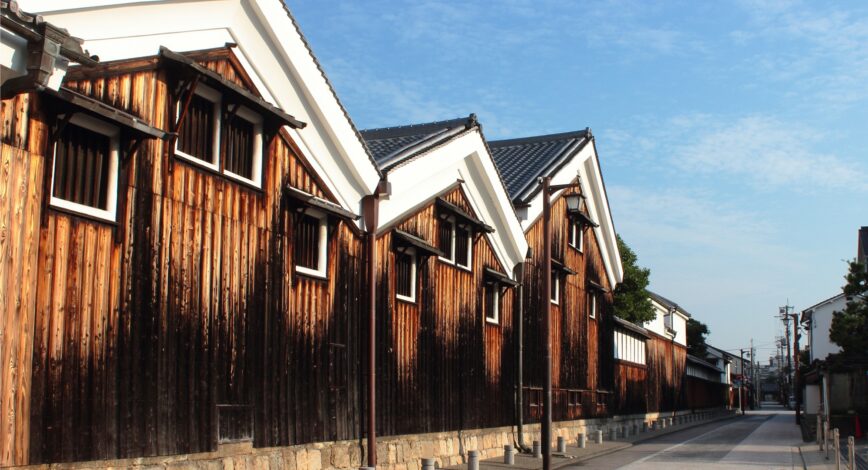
(743, 381)
(797, 390)
(785, 316)
(753, 375)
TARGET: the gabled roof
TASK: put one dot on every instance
(391, 146)
(703, 363)
(424, 161)
(522, 161)
(666, 303)
(565, 158)
(272, 50)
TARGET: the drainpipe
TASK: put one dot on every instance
(370, 210)
(519, 409)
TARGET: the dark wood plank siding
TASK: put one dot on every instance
(630, 388)
(187, 313)
(702, 393)
(581, 346)
(667, 368)
(442, 367)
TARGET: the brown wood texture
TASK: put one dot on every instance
(702, 393)
(667, 369)
(630, 388)
(21, 174)
(441, 366)
(581, 346)
(136, 341)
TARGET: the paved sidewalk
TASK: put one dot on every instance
(575, 455)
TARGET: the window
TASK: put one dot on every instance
(592, 305)
(311, 232)
(199, 139)
(576, 238)
(85, 173)
(492, 303)
(556, 287)
(456, 241)
(405, 274)
(208, 126)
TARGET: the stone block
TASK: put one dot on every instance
(302, 459)
(325, 457)
(314, 459)
(355, 454)
(427, 449)
(340, 457)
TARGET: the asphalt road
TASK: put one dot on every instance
(762, 439)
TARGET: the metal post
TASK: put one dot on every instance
(537, 450)
(797, 389)
(371, 206)
(472, 460)
(837, 440)
(562, 445)
(546, 327)
(819, 431)
(851, 453)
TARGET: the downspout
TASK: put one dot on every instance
(519, 392)
(370, 210)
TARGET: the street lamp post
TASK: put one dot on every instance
(572, 203)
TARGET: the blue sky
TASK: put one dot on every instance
(733, 136)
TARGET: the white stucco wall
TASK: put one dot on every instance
(821, 345)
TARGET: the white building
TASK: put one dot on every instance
(670, 320)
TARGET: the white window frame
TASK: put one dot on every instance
(592, 311)
(556, 288)
(216, 98)
(256, 120)
(495, 288)
(113, 133)
(577, 233)
(322, 246)
(452, 259)
(413, 263)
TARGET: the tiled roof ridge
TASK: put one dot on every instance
(584, 133)
(422, 128)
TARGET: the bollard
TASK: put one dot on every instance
(472, 460)
(644, 426)
(537, 450)
(562, 445)
(661, 423)
(367, 468)
(582, 440)
(837, 443)
(826, 438)
(671, 421)
(428, 464)
(508, 455)
(613, 433)
(819, 430)
(851, 453)
(598, 436)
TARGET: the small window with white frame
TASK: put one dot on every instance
(576, 238)
(556, 288)
(592, 304)
(492, 303)
(456, 241)
(405, 274)
(230, 143)
(85, 172)
(311, 243)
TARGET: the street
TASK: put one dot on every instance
(762, 439)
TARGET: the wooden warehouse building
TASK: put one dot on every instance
(202, 256)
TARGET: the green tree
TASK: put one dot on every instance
(850, 326)
(696, 333)
(631, 297)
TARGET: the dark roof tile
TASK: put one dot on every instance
(392, 145)
(522, 161)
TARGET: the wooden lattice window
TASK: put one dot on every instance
(445, 234)
(198, 136)
(310, 244)
(223, 137)
(85, 169)
(239, 147)
(462, 247)
(405, 275)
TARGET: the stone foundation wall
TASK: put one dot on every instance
(393, 452)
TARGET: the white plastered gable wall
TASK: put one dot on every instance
(270, 49)
(464, 158)
(658, 324)
(587, 166)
